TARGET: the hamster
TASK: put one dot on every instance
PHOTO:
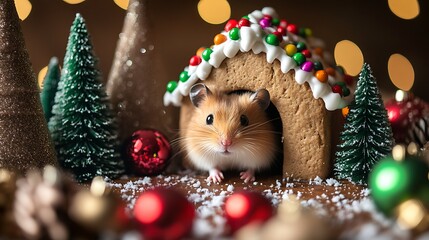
(229, 131)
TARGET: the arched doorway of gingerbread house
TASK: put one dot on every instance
(273, 118)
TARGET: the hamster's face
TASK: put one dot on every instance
(231, 127)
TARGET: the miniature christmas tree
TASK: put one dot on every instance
(82, 126)
(137, 81)
(50, 85)
(367, 135)
(24, 136)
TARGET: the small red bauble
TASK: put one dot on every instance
(164, 214)
(243, 208)
(403, 113)
(147, 152)
(348, 79)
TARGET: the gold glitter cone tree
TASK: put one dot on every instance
(24, 138)
(136, 84)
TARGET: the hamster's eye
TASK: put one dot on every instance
(209, 119)
(244, 121)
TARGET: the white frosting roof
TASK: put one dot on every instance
(252, 38)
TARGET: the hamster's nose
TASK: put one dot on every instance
(226, 142)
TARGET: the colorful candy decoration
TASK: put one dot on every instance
(403, 112)
(245, 207)
(400, 184)
(147, 152)
(164, 214)
(266, 28)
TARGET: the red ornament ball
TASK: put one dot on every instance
(164, 214)
(403, 113)
(147, 152)
(243, 208)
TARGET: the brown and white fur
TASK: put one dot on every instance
(229, 131)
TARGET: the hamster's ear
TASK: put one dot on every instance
(262, 97)
(198, 93)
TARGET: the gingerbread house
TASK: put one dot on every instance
(262, 51)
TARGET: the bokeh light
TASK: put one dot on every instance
(41, 76)
(122, 3)
(405, 9)
(349, 56)
(214, 11)
(23, 7)
(401, 71)
(73, 1)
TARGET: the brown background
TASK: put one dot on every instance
(179, 31)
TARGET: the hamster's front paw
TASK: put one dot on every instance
(248, 176)
(215, 175)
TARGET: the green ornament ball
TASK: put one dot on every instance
(272, 39)
(392, 182)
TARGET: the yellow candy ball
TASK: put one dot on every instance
(290, 49)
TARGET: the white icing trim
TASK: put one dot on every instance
(252, 38)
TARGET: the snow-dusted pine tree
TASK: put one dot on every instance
(367, 135)
(82, 127)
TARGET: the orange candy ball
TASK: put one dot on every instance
(218, 39)
(200, 51)
(345, 111)
(330, 71)
(322, 76)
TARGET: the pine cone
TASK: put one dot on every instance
(7, 190)
(419, 131)
(41, 204)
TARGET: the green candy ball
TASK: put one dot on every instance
(272, 39)
(206, 54)
(392, 182)
(234, 34)
(171, 86)
(184, 76)
(300, 46)
(317, 66)
(299, 58)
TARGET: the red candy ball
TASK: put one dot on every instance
(243, 23)
(348, 79)
(337, 89)
(279, 36)
(164, 214)
(147, 152)
(292, 28)
(195, 61)
(243, 208)
(282, 31)
(306, 53)
(283, 23)
(232, 23)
